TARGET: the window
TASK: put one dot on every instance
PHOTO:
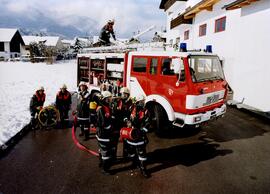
(186, 35)
(139, 64)
(220, 24)
(177, 40)
(202, 30)
(153, 66)
(203, 68)
(167, 67)
(2, 48)
(171, 42)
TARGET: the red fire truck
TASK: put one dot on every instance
(181, 88)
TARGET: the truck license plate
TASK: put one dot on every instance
(211, 99)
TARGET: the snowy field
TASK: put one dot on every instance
(18, 83)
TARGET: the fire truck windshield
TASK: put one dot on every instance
(204, 68)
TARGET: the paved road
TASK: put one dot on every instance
(231, 155)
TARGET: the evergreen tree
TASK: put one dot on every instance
(77, 45)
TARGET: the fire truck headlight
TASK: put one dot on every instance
(197, 119)
(223, 110)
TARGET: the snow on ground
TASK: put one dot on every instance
(18, 83)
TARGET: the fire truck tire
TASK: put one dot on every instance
(160, 119)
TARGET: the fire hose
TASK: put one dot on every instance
(48, 116)
(78, 144)
(125, 133)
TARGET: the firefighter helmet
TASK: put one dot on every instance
(41, 88)
(82, 84)
(140, 98)
(64, 86)
(106, 94)
(124, 90)
(110, 21)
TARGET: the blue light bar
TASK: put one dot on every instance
(208, 49)
(183, 47)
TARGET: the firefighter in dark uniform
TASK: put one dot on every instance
(121, 108)
(36, 104)
(63, 103)
(136, 146)
(93, 114)
(104, 132)
(83, 110)
(106, 33)
(124, 106)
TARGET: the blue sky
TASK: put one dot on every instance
(89, 15)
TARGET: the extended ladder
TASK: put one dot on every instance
(151, 46)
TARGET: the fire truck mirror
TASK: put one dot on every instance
(176, 65)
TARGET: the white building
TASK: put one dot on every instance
(68, 43)
(239, 32)
(49, 41)
(11, 43)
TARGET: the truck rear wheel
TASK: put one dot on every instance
(160, 120)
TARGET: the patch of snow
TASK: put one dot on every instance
(18, 83)
(50, 40)
(6, 34)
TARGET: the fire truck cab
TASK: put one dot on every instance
(182, 88)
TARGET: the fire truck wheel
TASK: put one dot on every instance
(160, 120)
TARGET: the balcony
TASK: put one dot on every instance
(180, 20)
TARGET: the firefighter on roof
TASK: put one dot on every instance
(106, 33)
(36, 104)
(138, 125)
(104, 132)
(83, 110)
(63, 103)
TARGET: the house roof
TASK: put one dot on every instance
(49, 40)
(238, 4)
(166, 4)
(162, 3)
(6, 34)
(65, 41)
(202, 5)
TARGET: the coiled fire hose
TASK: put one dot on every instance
(48, 116)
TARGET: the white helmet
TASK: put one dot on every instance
(64, 86)
(140, 98)
(41, 88)
(125, 90)
(83, 84)
(111, 21)
(106, 94)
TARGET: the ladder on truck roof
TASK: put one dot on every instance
(151, 46)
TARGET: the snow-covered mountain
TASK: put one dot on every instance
(41, 24)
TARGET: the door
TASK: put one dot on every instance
(171, 82)
(138, 76)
